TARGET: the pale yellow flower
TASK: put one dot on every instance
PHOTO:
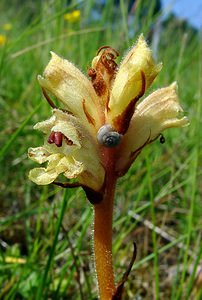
(159, 111)
(73, 16)
(101, 125)
(137, 66)
(7, 26)
(3, 40)
(70, 149)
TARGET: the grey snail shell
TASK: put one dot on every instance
(108, 137)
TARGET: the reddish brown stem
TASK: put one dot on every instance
(103, 216)
(103, 213)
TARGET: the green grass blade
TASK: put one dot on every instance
(14, 136)
(43, 284)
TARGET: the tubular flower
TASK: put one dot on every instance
(101, 126)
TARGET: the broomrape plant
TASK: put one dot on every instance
(99, 130)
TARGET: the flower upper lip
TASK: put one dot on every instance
(72, 88)
(128, 82)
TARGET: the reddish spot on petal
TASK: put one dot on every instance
(58, 139)
(122, 121)
(48, 98)
(68, 141)
(51, 138)
(99, 85)
(88, 116)
(55, 138)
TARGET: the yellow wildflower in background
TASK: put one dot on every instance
(73, 17)
(3, 40)
(7, 26)
(14, 260)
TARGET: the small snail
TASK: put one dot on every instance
(108, 137)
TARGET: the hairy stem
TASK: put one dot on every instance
(103, 215)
